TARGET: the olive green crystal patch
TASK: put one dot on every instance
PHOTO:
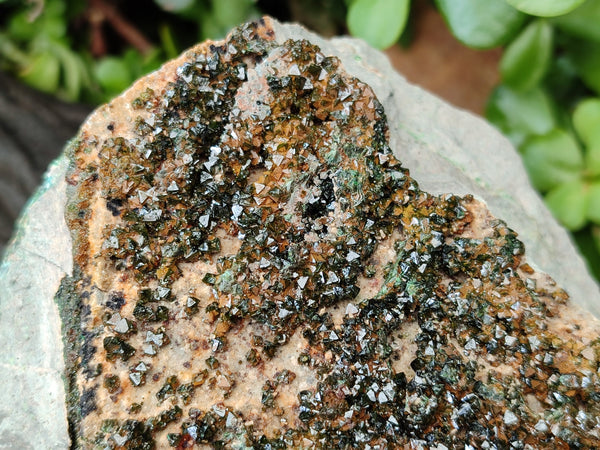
(257, 270)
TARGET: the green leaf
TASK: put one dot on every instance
(521, 114)
(113, 75)
(210, 29)
(43, 73)
(481, 23)
(223, 15)
(138, 64)
(592, 160)
(379, 22)
(582, 22)
(569, 204)
(168, 41)
(230, 13)
(54, 27)
(586, 120)
(526, 59)
(132, 58)
(152, 61)
(174, 5)
(545, 8)
(11, 52)
(50, 23)
(21, 28)
(593, 212)
(586, 56)
(73, 71)
(552, 159)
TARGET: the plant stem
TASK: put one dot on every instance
(100, 11)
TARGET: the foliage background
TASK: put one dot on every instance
(547, 103)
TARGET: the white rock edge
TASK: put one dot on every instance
(32, 399)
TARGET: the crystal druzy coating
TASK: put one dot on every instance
(255, 269)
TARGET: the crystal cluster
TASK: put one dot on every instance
(257, 270)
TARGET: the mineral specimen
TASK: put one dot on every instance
(255, 269)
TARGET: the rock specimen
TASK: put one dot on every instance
(254, 268)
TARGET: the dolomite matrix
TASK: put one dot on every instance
(254, 268)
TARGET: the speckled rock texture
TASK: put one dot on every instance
(253, 266)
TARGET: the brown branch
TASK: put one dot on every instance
(97, 40)
(100, 11)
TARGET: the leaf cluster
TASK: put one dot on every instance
(48, 44)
